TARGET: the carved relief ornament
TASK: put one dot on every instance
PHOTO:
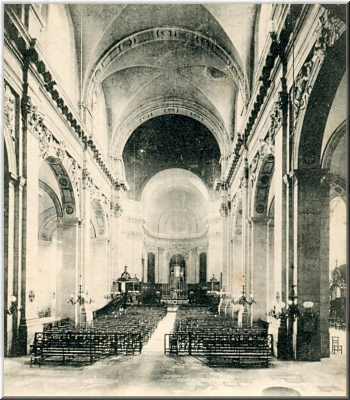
(168, 34)
(329, 31)
(49, 146)
(254, 166)
(9, 111)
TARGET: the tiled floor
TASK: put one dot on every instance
(152, 373)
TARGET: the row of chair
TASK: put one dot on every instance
(218, 340)
(114, 334)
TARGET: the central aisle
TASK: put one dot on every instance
(153, 374)
(156, 343)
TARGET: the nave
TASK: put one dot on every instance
(152, 373)
(162, 158)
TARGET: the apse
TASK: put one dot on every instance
(175, 203)
(170, 141)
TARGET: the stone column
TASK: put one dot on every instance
(196, 265)
(259, 268)
(230, 255)
(270, 287)
(9, 255)
(115, 233)
(307, 250)
(225, 246)
(27, 278)
(237, 273)
(67, 281)
(157, 266)
(280, 267)
(85, 264)
(245, 233)
(324, 266)
(162, 268)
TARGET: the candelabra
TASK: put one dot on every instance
(278, 311)
(13, 306)
(81, 299)
(293, 309)
(247, 316)
(244, 300)
(287, 316)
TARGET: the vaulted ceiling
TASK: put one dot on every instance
(170, 141)
(166, 66)
(199, 56)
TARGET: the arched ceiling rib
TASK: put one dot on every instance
(137, 53)
(106, 24)
(148, 84)
(171, 141)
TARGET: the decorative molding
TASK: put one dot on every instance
(28, 50)
(263, 185)
(332, 144)
(254, 166)
(165, 34)
(163, 236)
(11, 116)
(51, 148)
(9, 112)
(278, 45)
(329, 30)
(163, 106)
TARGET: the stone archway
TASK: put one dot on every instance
(323, 70)
(57, 238)
(260, 231)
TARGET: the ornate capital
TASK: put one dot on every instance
(329, 31)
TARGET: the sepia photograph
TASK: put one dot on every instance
(174, 199)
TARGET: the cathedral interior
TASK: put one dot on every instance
(175, 199)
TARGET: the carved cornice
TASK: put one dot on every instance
(163, 236)
(28, 48)
(329, 31)
(184, 247)
(277, 47)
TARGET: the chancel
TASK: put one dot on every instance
(175, 199)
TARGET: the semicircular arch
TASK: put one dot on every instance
(161, 106)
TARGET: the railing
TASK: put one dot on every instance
(82, 346)
(239, 344)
